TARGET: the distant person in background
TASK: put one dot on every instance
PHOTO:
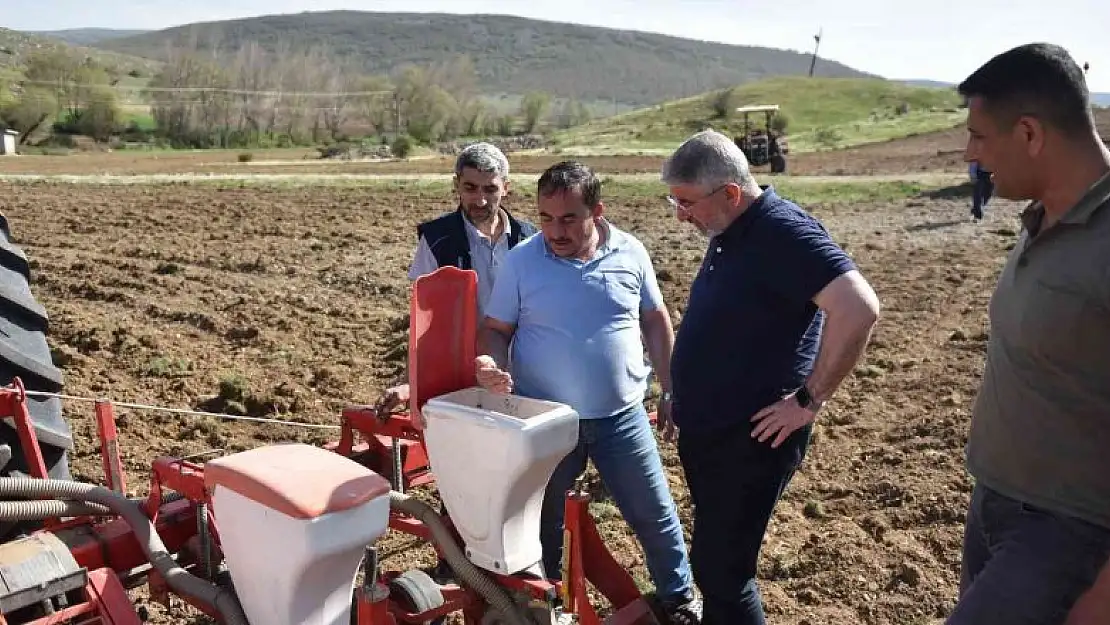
(983, 189)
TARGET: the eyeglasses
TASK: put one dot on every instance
(686, 205)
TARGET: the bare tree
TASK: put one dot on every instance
(253, 78)
(190, 99)
(377, 102)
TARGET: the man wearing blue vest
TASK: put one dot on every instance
(577, 304)
(479, 233)
(475, 236)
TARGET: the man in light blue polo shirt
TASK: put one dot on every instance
(574, 304)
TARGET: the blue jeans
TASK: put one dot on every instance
(1023, 565)
(735, 482)
(623, 449)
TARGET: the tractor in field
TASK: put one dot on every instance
(286, 534)
(762, 145)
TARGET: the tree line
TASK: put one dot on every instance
(65, 93)
(257, 97)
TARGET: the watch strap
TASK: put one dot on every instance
(806, 399)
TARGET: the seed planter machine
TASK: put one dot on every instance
(285, 534)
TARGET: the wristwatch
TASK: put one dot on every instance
(806, 400)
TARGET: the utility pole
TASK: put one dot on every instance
(816, 45)
(396, 115)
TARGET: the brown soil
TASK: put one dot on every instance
(932, 152)
(295, 300)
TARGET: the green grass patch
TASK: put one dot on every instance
(864, 132)
(143, 120)
(853, 192)
(852, 109)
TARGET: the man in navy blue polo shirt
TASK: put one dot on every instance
(564, 324)
(777, 316)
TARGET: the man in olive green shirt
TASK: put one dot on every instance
(1037, 540)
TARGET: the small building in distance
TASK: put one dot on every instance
(8, 142)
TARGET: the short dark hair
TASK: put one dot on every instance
(570, 176)
(1037, 79)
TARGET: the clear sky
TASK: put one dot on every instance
(895, 38)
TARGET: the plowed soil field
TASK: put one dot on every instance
(932, 152)
(291, 303)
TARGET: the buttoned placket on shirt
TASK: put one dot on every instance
(735, 231)
(488, 245)
(716, 254)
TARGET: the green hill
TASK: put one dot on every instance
(87, 36)
(16, 46)
(512, 55)
(820, 113)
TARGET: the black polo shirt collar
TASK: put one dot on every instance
(740, 225)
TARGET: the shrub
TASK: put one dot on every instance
(402, 146)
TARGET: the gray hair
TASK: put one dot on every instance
(708, 159)
(485, 157)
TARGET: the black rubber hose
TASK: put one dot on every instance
(181, 581)
(467, 571)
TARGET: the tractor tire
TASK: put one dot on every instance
(24, 353)
(778, 164)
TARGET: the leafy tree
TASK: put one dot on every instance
(30, 111)
(534, 109)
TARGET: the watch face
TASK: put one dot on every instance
(804, 399)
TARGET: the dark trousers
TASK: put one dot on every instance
(1023, 565)
(734, 482)
(984, 189)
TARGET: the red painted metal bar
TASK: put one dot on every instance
(65, 615)
(371, 612)
(14, 405)
(109, 446)
(113, 544)
(115, 606)
(636, 613)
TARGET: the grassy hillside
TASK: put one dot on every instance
(821, 113)
(512, 55)
(87, 36)
(16, 46)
